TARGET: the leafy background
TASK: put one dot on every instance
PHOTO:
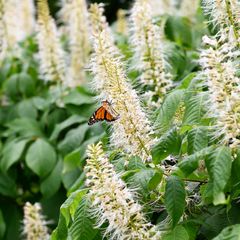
(44, 135)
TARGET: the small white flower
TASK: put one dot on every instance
(113, 202)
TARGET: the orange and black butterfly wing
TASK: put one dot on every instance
(109, 117)
(99, 115)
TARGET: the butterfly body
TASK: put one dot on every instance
(105, 112)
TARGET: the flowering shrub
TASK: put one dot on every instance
(167, 167)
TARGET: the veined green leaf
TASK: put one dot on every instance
(190, 163)
(229, 233)
(83, 225)
(169, 143)
(197, 139)
(195, 109)
(175, 198)
(219, 165)
(178, 233)
(168, 110)
(67, 212)
(12, 152)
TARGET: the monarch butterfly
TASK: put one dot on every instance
(105, 112)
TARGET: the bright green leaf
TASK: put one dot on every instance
(83, 226)
(41, 157)
(229, 233)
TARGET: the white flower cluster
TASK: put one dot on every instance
(76, 17)
(2, 31)
(34, 224)
(224, 91)
(225, 14)
(186, 8)
(17, 21)
(131, 131)
(148, 42)
(51, 54)
(113, 202)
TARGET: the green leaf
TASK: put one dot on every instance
(168, 110)
(178, 29)
(12, 152)
(155, 180)
(195, 109)
(186, 81)
(26, 109)
(197, 139)
(25, 127)
(219, 165)
(178, 233)
(52, 183)
(169, 143)
(83, 226)
(229, 233)
(41, 157)
(175, 198)
(141, 180)
(67, 212)
(73, 139)
(190, 163)
(11, 86)
(77, 97)
(27, 84)
(2, 225)
(40, 103)
(67, 123)
(136, 163)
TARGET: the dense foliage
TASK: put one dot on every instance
(189, 189)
